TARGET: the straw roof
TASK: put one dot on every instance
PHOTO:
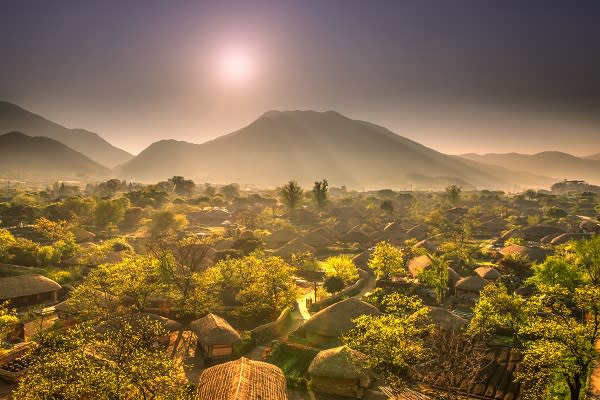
(473, 283)
(335, 320)
(445, 319)
(280, 237)
(320, 237)
(568, 237)
(295, 246)
(418, 232)
(487, 272)
(537, 232)
(453, 276)
(356, 235)
(427, 245)
(26, 285)
(242, 379)
(418, 264)
(212, 329)
(362, 260)
(340, 362)
(533, 253)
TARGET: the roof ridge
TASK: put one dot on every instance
(237, 391)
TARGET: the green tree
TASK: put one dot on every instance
(182, 186)
(320, 192)
(8, 319)
(564, 331)
(123, 362)
(341, 266)
(110, 211)
(436, 275)
(386, 260)
(393, 342)
(230, 191)
(556, 271)
(291, 194)
(167, 224)
(587, 255)
(333, 284)
(453, 193)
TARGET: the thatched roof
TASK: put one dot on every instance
(280, 237)
(418, 264)
(335, 320)
(445, 319)
(340, 362)
(537, 232)
(533, 253)
(212, 329)
(473, 283)
(427, 245)
(453, 277)
(568, 237)
(418, 232)
(242, 379)
(320, 237)
(295, 246)
(356, 235)
(488, 272)
(362, 260)
(26, 285)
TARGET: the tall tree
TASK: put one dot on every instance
(386, 260)
(320, 192)
(291, 194)
(453, 193)
(436, 275)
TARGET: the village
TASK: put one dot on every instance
(197, 291)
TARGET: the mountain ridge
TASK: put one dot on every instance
(16, 118)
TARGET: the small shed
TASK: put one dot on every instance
(242, 379)
(340, 371)
(470, 286)
(216, 337)
(28, 290)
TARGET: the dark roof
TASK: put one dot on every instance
(336, 319)
(26, 285)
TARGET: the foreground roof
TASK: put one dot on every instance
(242, 379)
(340, 362)
(212, 329)
(26, 285)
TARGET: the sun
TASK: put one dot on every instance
(236, 65)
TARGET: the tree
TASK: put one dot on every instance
(166, 223)
(123, 362)
(498, 308)
(291, 194)
(386, 260)
(342, 267)
(230, 191)
(181, 267)
(320, 192)
(436, 275)
(564, 330)
(182, 186)
(556, 271)
(393, 342)
(387, 205)
(587, 258)
(453, 193)
(110, 211)
(8, 319)
(333, 284)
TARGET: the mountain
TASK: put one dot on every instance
(310, 145)
(26, 157)
(15, 118)
(550, 163)
(593, 157)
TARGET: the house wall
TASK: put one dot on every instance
(35, 299)
(336, 386)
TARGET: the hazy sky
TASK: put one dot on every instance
(458, 76)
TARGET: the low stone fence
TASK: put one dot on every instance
(271, 330)
(350, 291)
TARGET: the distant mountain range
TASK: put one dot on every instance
(549, 163)
(277, 147)
(26, 157)
(15, 118)
(307, 146)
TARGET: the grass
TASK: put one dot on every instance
(294, 360)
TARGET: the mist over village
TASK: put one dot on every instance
(282, 200)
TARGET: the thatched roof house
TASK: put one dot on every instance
(532, 253)
(28, 290)
(569, 237)
(356, 235)
(215, 336)
(488, 273)
(294, 246)
(320, 237)
(427, 245)
(340, 371)
(362, 260)
(242, 379)
(279, 238)
(418, 232)
(330, 323)
(470, 286)
(453, 277)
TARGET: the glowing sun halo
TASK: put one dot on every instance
(236, 65)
